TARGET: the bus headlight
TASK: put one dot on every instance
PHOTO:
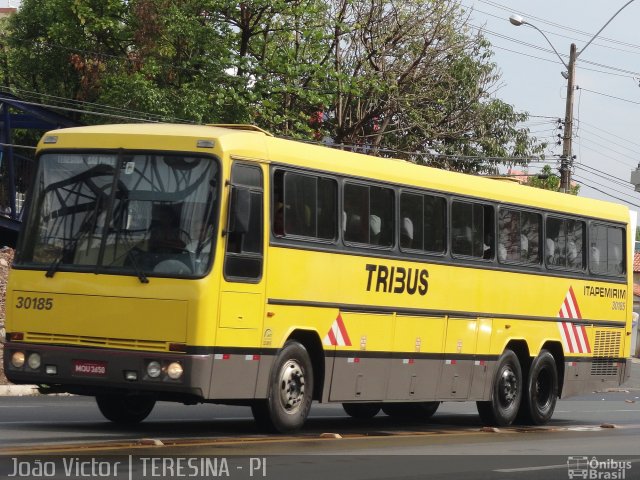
(17, 359)
(154, 369)
(174, 371)
(34, 361)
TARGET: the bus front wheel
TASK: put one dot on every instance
(506, 392)
(125, 409)
(290, 391)
(539, 402)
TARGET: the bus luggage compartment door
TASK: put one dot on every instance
(361, 370)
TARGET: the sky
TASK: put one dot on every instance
(606, 141)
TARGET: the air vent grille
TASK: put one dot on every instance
(100, 342)
(606, 353)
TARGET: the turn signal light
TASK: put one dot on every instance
(174, 371)
(18, 359)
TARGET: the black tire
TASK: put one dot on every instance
(506, 392)
(125, 409)
(539, 400)
(361, 411)
(290, 391)
(411, 410)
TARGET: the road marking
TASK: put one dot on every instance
(530, 469)
(20, 406)
(549, 467)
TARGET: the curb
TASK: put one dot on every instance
(18, 390)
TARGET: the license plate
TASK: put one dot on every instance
(90, 367)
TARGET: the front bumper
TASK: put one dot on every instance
(112, 372)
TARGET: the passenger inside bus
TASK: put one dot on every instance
(164, 230)
(375, 225)
(406, 233)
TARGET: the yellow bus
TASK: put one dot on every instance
(221, 264)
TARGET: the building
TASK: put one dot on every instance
(7, 11)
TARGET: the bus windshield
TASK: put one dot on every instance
(122, 213)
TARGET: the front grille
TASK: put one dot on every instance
(97, 342)
(606, 353)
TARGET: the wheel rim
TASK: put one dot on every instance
(507, 387)
(291, 384)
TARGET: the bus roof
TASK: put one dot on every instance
(235, 141)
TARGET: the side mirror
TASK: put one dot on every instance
(239, 210)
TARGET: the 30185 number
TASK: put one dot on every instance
(34, 303)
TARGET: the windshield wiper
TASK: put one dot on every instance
(68, 246)
(139, 272)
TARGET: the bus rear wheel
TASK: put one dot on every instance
(125, 409)
(506, 392)
(411, 410)
(290, 391)
(361, 410)
(539, 402)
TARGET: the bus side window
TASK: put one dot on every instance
(411, 225)
(381, 218)
(519, 237)
(369, 214)
(575, 244)
(568, 237)
(606, 250)
(356, 206)
(304, 206)
(472, 227)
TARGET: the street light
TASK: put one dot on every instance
(566, 159)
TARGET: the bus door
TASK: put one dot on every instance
(242, 287)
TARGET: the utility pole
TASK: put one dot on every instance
(566, 160)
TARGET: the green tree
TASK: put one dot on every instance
(548, 180)
(381, 76)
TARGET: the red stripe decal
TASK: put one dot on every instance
(576, 334)
(332, 338)
(343, 331)
(586, 339)
(568, 335)
(575, 302)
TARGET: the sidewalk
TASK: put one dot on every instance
(634, 381)
(18, 390)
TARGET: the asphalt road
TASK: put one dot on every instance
(452, 445)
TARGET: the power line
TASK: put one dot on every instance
(559, 26)
(556, 34)
(549, 60)
(609, 133)
(589, 167)
(96, 106)
(605, 155)
(15, 145)
(597, 183)
(610, 178)
(88, 112)
(610, 96)
(634, 159)
(611, 141)
(582, 182)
